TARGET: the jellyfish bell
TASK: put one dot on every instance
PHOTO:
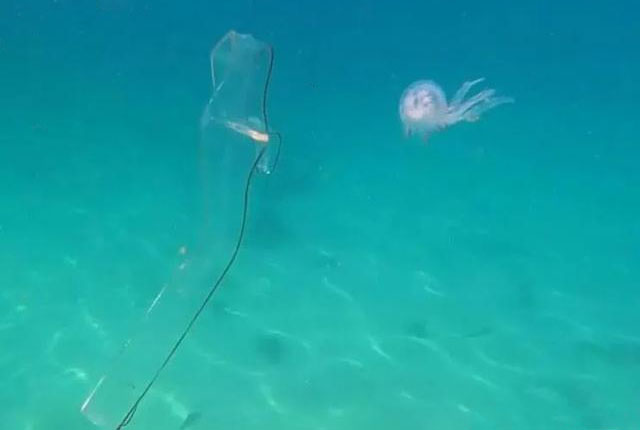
(423, 107)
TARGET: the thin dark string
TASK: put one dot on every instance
(265, 92)
(264, 110)
(127, 418)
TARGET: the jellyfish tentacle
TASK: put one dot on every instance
(471, 109)
(473, 114)
(462, 91)
(407, 131)
(481, 97)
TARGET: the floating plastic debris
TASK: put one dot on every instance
(236, 116)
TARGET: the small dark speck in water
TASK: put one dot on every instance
(417, 329)
(271, 347)
(420, 330)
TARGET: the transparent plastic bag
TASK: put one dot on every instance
(139, 390)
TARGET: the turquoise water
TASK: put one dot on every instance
(485, 280)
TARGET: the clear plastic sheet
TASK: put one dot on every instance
(137, 391)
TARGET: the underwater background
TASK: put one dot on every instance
(485, 280)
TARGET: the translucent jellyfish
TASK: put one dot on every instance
(424, 108)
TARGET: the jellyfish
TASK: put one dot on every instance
(424, 109)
